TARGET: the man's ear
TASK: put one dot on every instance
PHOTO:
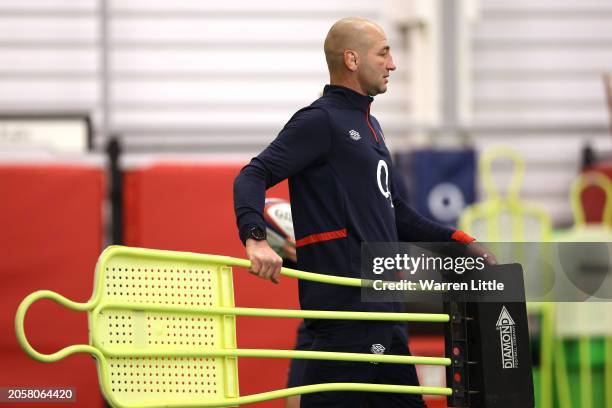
(351, 60)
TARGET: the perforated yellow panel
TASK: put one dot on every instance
(153, 283)
(171, 377)
(152, 327)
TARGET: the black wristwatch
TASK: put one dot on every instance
(255, 233)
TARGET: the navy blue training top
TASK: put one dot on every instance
(343, 190)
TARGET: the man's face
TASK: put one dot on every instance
(375, 63)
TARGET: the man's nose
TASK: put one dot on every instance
(391, 65)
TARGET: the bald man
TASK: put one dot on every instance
(344, 192)
(358, 56)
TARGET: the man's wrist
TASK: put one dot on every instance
(252, 231)
(250, 242)
(460, 236)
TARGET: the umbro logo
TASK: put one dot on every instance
(354, 134)
(377, 349)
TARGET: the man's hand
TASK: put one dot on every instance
(475, 249)
(265, 263)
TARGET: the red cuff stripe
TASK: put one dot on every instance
(461, 236)
(323, 236)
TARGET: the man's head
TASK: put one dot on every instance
(358, 55)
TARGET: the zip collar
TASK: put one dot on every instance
(361, 102)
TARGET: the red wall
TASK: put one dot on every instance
(51, 218)
(190, 208)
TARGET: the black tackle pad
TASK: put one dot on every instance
(488, 343)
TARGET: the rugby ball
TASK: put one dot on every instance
(279, 225)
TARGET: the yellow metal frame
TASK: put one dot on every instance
(495, 203)
(162, 329)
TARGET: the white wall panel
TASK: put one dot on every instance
(547, 7)
(53, 92)
(533, 61)
(569, 116)
(175, 90)
(248, 6)
(517, 88)
(237, 60)
(49, 59)
(219, 30)
(544, 28)
(47, 5)
(48, 29)
(205, 118)
(179, 64)
(41, 60)
(226, 66)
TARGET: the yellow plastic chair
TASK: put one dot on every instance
(590, 318)
(499, 219)
(162, 328)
